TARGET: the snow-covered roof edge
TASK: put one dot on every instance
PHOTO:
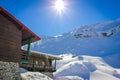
(44, 54)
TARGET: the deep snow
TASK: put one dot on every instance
(77, 68)
(86, 68)
(27, 75)
(99, 75)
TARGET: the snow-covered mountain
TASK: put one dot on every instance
(84, 68)
(102, 39)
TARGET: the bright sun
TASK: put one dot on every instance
(59, 6)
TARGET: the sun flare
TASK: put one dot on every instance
(59, 6)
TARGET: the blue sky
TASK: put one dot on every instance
(41, 18)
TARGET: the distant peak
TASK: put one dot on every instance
(58, 36)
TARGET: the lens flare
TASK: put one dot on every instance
(59, 6)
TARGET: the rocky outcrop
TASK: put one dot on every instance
(9, 71)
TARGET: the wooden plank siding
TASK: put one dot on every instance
(10, 41)
(38, 61)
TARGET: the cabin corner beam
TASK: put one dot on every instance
(28, 48)
(27, 60)
(55, 64)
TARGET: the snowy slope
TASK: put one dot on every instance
(70, 78)
(98, 75)
(85, 68)
(26, 75)
(100, 39)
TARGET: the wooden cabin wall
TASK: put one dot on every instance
(33, 59)
(10, 41)
(46, 61)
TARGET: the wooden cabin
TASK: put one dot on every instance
(39, 61)
(14, 35)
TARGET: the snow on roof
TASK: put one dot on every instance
(44, 54)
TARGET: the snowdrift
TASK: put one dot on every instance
(26, 75)
(85, 68)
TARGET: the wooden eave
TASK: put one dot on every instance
(26, 32)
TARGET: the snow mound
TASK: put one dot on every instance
(98, 75)
(69, 78)
(74, 68)
(66, 58)
(26, 75)
(85, 67)
(22, 70)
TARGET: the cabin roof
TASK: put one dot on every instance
(44, 55)
(26, 32)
